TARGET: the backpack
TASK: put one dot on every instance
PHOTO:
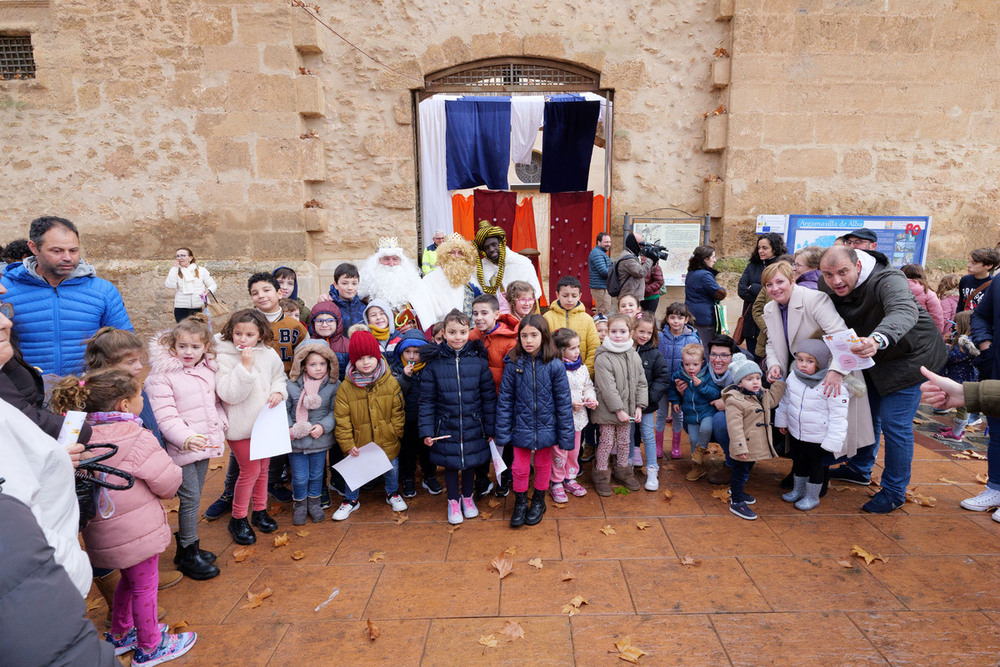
(614, 283)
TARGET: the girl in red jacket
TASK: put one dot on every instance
(130, 529)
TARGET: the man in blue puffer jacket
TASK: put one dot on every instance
(59, 302)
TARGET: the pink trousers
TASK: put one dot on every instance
(566, 465)
(134, 603)
(251, 485)
(522, 468)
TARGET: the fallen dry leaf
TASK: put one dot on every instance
(846, 563)
(946, 480)
(276, 509)
(494, 503)
(868, 557)
(241, 554)
(303, 533)
(973, 454)
(578, 601)
(642, 525)
(568, 576)
(451, 531)
(180, 626)
(568, 609)
(918, 420)
(982, 479)
(536, 563)
(688, 560)
(840, 487)
(376, 556)
(298, 555)
(214, 466)
(485, 516)
(961, 456)
(504, 563)
(608, 530)
(489, 641)
(281, 540)
(513, 630)
(627, 652)
(559, 505)
(721, 494)
(401, 518)
(255, 599)
(921, 499)
(667, 495)
(511, 550)
(373, 631)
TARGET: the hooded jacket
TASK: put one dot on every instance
(370, 414)
(52, 323)
(535, 405)
(632, 269)
(498, 343)
(457, 399)
(657, 372)
(184, 403)
(579, 321)
(409, 384)
(338, 342)
(881, 301)
(138, 527)
(388, 344)
(620, 382)
(748, 420)
(294, 296)
(696, 402)
(321, 414)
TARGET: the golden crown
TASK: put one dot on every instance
(387, 242)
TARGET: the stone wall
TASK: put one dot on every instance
(884, 107)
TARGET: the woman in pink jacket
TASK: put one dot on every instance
(924, 295)
(130, 529)
(181, 391)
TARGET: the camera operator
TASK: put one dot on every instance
(633, 267)
(654, 279)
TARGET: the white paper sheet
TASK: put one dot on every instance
(270, 435)
(69, 434)
(498, 465)
(840, 346)
(370, 462)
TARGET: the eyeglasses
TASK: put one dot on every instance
(7, 310)
(525, 299)
(717, 355)
(325, 320)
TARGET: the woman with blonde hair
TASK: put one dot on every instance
(191, 284)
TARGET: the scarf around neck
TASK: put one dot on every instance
(723, 380)
(112, 416)
(573, 365)
(380, 333)
(810, 380)
(616, 347)
(310, 387)
(362, 381)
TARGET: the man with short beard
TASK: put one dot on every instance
(451, 285)
(389, 275)
(498, 266)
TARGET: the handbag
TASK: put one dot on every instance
(720, 319)
(216, 307)
(88, 484)
(738, 331)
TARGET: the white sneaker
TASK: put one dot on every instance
(652, 482)
(469, 508)
(454, 513)
(976, 422)
(996, 516)
(345, 510)
(398, 504)
(987, 500)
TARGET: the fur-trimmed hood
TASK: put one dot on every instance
(321, 348)
(162, 361)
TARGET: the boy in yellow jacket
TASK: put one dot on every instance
(568, 312)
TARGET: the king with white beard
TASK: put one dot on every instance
(388, 274)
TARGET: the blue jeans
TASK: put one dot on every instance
(892, 415)
(648, 440)
(699, 433)
(720, 434)
(993, 453)
(307, 474)
(391, 483)
(662, 411)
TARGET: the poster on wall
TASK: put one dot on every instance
(680, 239)
(903, 239)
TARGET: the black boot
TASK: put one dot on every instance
(537, 508)
(261, 519)
(520, 509)
(787, 482)
(241, 531)
(193, 565)
(207, 555)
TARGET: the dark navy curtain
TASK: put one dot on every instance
(478, 142)
(568, 143)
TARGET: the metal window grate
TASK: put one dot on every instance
(512, 75)
(17, 61)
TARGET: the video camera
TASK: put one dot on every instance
(654, 251)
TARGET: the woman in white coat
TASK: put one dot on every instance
(797, 313)
(191, 284)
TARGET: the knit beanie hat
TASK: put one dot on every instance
(363, 344)
(817, 349)
(741, 367)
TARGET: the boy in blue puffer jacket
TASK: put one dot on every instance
(676, 333)
(457, 411)
(407, 364)
(695, 402)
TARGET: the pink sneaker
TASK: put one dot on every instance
(574, 487)
(469, 509)
(558, 493)
(637, 457)
(949, 435)
(454, 512)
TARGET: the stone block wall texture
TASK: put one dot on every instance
(884, 107)
(166, 123)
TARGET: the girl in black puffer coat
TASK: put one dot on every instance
(657, 372)
(457, 410)
(534, 414)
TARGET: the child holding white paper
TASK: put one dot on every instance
(369, 408)
(181, 390)
(251, 376)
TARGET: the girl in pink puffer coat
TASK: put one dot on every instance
(924, 295)
(181, 391)
(130, 529)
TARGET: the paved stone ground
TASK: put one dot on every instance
(781, 590)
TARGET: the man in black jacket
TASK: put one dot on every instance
(875, 300)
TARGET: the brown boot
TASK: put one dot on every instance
(602, 482)
(168, 578)
(107, 584)
(626, 475)
(720, 475)
(696, 472)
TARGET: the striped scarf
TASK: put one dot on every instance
(360, 380)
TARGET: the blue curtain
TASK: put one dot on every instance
(478, 142)
(568, 144)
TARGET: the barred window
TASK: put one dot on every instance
(17, 61)
(513, 75)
